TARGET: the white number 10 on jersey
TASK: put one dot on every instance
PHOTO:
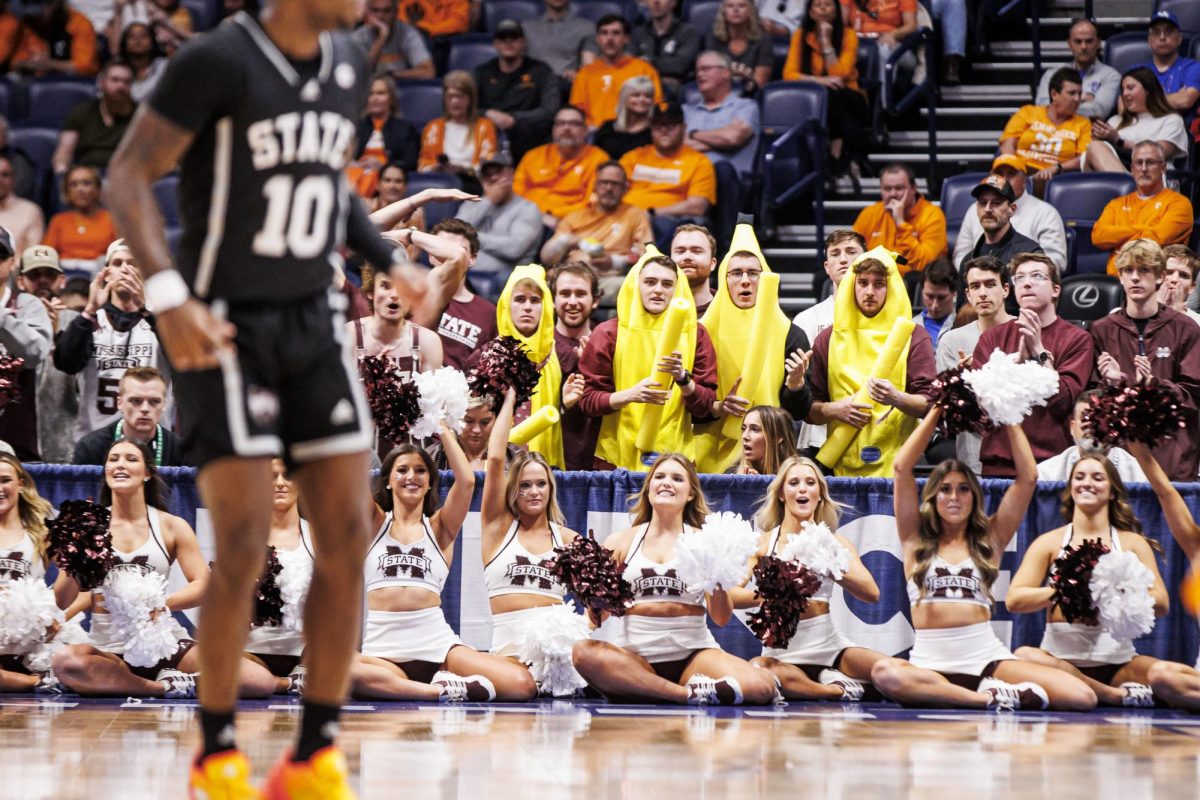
(297, 218)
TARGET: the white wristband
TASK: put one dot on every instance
(165, 291)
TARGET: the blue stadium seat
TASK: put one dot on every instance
(1188, 12)
(689, 93)
(957, 201)
(420, 101)
(469, 51)
(39, 145)
(779, 49)
(6, 100)
(1125, 50)
(701, 13)
(174, 234)
(496, 11)
(434, 212)
(51, 100)
(203, 14)
(595, 9)
(793, 148)
(165, 190)
(1087, 298)
(1080, 197)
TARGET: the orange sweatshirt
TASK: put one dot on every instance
(921, 238)
(1165, 218)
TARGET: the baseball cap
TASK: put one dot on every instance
(1166, 16)
(40, 256)
(1008, 160)
(6, 244)
(997, 185)
(501, 159)
(508, 28)
(668, 112)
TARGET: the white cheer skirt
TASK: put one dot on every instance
(409, 635)
(658, 639)
(815, 641)
(274, 640)
(965, 650)
(1085, 645)
(508, 629)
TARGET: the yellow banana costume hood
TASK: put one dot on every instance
(541, 349)
(633, 361)
(749, 344)
(855, 347)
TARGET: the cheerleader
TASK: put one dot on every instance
(23, 514)
(145, 538)
(276, 648)
(1094, 503)
(951, 551)
(819, 663)
(662, 650)
(522, 524)
(409, 652)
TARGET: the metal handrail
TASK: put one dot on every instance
(814, 134)
(1002, 8)
(926, 89)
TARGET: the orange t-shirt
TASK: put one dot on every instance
(1165, 218)
(75, 236)
(889, 15)
(83, 44)
(556, 185)
(437, 17)
(655, 181)
(1041, 143)
(846, 67)
(620, 231)
(597, 87)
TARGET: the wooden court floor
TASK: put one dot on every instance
(70, 749)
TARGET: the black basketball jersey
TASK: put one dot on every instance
(262, 196)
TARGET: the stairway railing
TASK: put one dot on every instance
(925, 90)
(1002, 8)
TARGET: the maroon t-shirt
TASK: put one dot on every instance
(464, 328)
(579, 431)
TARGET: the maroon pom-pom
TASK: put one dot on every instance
(961, 412)
(502, 363)
(395, 404)
(785, 588)
(268, 603)
(10, 380)
(589, 572)
(1146, 413)
(80, 543)
(1071, 577)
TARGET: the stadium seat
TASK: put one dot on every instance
(779, 49)
(419, 101)
(202, 13)
(595, 9)
(469, 51)
(496, 11)
(689, 94)
(39, 145)
(793, 148)
(6, 100)
(1080, 197)
(174, 234)
(1188, 12)
(957, 201)
(1125, 50)
(165, 189)
(51, 100)
(701, 13)
(434, 212)
(1087, 298)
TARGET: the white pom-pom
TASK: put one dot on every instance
(132, 598)
(818, 549)
(40, 657)
(1120, 589)
(545, 645)
(293, 581)
(1009, 391)
(444, 396)
(718, 555)
(27, 610)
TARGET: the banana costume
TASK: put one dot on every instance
(541, 349)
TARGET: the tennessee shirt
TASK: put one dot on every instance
(558, 185)
(1165, 218)
(1041, 143)
(597, 86)
(437, 17)
(656, 181)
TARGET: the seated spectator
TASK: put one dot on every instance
(509, 226)
(1179, 75)
(392, 187)
(951, 16)
(1058, 468)
(619, 389)
(721, 124)
(1101, 83)
(903, 221)
(939, 288)
(20, 217)
(631, 127)
(25, 333)
(889, 23)
(24, 179)
(694, 250)
(738, 33)
(1037, 334)
(995, 205)
(10, 34)
(137, 48)
(576, 291)
(383, 137)
(558, 177)
(608, 234)
(825, 51)
(114, 333)
(393, 47)
(597, 85)
(667, 178)
(517, 93)
(439, 19)
(1050, 139)
(841, 248)
(469, 321)
(1151, 211)
(1144, 116)
(168, 23)
(82, 233)
(671, 46)
(1183, 267)
(1033, 217)
(460, 141)
(93, 129)
(561, 39)
(866, 307)
(141, 400)
(56, 39)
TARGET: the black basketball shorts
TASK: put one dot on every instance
(289, 389)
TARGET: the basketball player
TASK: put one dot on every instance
(260, 115)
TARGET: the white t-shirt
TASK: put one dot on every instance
(457, 145)
(812, 321)
(1058, 468)
(1168, 128)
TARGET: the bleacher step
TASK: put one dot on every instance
(988, 93)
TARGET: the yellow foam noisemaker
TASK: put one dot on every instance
(545, 417)
(668, 342)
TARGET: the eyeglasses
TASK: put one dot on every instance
(751, 275)
(1030, 277)
(1147, 163)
